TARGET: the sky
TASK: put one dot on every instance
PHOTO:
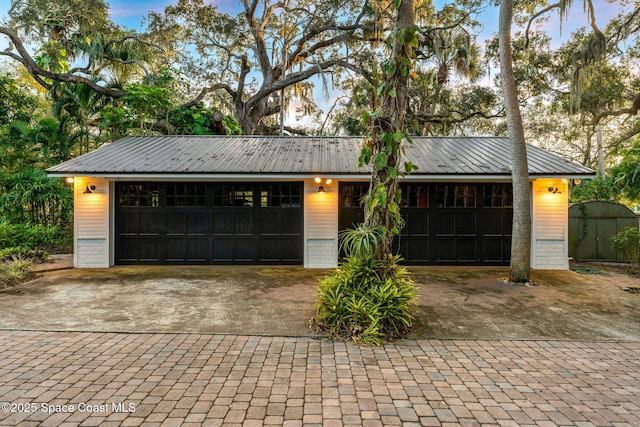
(130, 14)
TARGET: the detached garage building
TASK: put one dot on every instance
(283, 200)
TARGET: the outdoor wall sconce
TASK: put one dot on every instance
(70, 180)
(90, 188)
(319, 181)
(554, 189)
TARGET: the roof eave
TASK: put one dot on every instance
(118, 176)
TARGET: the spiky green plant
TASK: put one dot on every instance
(356, 302)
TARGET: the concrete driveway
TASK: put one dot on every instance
(461, 303)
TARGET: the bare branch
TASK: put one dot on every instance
(536, 16)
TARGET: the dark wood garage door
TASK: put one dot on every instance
(209, 223)
(445, 223)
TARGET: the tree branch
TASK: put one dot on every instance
(297, 77)
(40, 73)
(207, 90)
(631, 111)
(261, 50)
(308, 36)
(442, 118)
(136, 38)
(534, 17)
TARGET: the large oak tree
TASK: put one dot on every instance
(248, 61)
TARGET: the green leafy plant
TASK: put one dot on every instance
(362, 241)
(627, 245)
(26, 236)
(596, 189)
(29, 196)
(356, 302)
(34, 255)
(370, 298)
(14, 271)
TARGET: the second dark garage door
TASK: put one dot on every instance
(445, 223)
(209, 223)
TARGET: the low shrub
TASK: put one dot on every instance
(357, 302)
(34, 255)
(627, 245)
(14, 271)
(28, 236)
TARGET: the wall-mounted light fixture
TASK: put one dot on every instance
(326, 182)
(69, 180)
(577, 181)
(90, 189)
(554, 189)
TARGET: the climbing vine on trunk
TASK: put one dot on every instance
(383, 147)
(369, 298)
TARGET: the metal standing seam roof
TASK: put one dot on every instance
(294, 155)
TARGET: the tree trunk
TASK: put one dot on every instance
(520, 266)
(390, 121)
(250, 121)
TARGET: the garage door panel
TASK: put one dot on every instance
(465, 224)
(291, 248)
(223, 249)
(198, 249)
(466, 250)
(291, 223)
(186, 223)
(176, 247)
(270, 222)
(445, 223)
(417, 250)
(493, 250)
(445, 251)
(271, 249)
(416, 224)
(243, 223)
(150, 248)
(493, 224)
(208, 223)
(129, 222)
(176, 223)
(233, 223)
(245, 250)
(129, 248)
(223, 223)
(187, 249)
(151, 222)
(197, 223)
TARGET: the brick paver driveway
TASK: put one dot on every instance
(49, 378)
